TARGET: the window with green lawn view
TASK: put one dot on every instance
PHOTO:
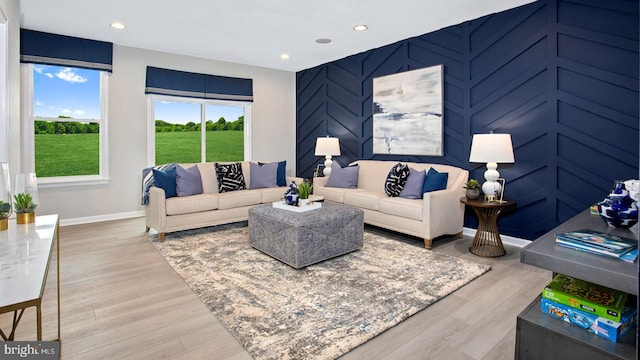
(197, 130)
(68, 120)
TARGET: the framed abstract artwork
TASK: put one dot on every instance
(407, 113)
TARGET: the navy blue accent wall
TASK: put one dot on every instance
(560, 76)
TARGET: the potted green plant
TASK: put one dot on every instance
(25, 208)
(5, 211)
(473, 189)
(304, 190)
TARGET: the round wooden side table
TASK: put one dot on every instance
(487, 242)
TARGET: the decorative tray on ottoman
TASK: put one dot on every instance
(282, 205)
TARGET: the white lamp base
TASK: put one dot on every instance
(327, 165)
(491, 187)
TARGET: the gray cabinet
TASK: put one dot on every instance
(538, 336)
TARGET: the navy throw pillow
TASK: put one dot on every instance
(435, 181)
(166, 180)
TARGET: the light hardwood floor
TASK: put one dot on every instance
(121, 300)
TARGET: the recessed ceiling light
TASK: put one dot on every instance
(323, 41)
(117, 25)
(284, 56)
(360, 27)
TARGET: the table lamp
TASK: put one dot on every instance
(492, 149)
(327, 147)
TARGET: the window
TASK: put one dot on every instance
(190, 130)
(67, 123)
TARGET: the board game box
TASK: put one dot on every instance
(608, 329)
(588, 297)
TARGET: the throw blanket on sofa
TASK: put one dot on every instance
(148, 181)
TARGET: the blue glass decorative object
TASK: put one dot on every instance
(618, 209)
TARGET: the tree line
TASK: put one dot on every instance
(74, 127)
(65, 127)
(210, 125)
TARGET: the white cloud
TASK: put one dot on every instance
(39, 103)
(66, 111)
(40, 69)
(79, 112)
(67, 74)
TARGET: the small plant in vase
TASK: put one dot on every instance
(473, 189)
(305, 189)
(5, 211)
(25, 208)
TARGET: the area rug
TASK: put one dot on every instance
(318, 312)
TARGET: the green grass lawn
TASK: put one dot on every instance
(77, 154)
(67, 154)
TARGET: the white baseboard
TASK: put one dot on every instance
(101, 218)
(506, 239)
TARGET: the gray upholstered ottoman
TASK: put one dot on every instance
(302, 239)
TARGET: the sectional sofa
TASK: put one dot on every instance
(211, 207)
(437, 213)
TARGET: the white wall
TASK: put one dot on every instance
(273, 131)
(11, 9)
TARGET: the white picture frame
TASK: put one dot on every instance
(408, 113)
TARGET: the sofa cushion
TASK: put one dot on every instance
(407, 208)
(188, 181)
(413, 187)
(208, 176)
(346, 177)
(192, 204)
(333, 194)
(363, 199)
(166, 180)
(263, 176)
(234, 199)
(435, 181)
(272, 194)
(396, 178)
(230, 177)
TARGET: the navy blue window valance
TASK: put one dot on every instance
(44, 48)
(203, 86)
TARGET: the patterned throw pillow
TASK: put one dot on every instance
(230, 177)
(396, 179)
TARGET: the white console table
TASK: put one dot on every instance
(25, 255)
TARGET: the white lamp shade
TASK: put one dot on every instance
(327, 146)
(495, 148)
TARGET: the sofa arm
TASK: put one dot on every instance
(320, 181)
(155, 210)
(442, 210)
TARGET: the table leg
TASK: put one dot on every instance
(487, 242)
(39, 320)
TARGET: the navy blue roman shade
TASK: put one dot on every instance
(51, 49)
(203, 86)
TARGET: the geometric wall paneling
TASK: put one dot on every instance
(560, 76)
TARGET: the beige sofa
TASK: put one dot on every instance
(437, 213)
(209, 208)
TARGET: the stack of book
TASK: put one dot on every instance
(595, 308)
(600, 243)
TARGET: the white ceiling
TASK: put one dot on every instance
(254, 32)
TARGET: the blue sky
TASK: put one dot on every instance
(181, 113)
(65, 91)
(75, 93)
